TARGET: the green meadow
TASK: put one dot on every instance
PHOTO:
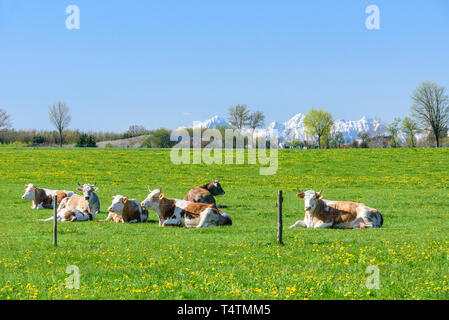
(243, 261)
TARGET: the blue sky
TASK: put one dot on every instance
(168, 63)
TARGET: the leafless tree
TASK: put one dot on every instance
(256, 120)
(136, 130)
(431, 108)
(5, 119)
(239, 116)
(60, 117)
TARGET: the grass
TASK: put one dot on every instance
(242, 261)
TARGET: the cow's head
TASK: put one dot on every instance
(88, 190)
(30, 193)
(153, 199)
(215, 188)
(118, 204)
(310, 199)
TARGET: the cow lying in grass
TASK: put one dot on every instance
(182, 213)
(205, 193)
(43, 198)
(79, 208)
(126, 210)
(336, 214)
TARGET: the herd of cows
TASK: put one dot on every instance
(198, 209)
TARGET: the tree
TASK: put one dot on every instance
(4, 119)
(411, 128)
(135, 131)
(60, 117)
(85, 140)
(364, 136)
(239, 116)
(159, 138)
(393, 128)
(38, 139)
(431, 108)
(337, 139)
(256, 120)
(318, 123)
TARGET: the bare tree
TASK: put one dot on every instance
(411, 128)
(136, 130)
(431, 108)
(60, 117)
(239, 116)
(5, 119)
(256, 120)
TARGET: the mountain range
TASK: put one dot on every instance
(293, 129)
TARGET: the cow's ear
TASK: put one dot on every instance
(34, 188)
(26, 187)
(300, 195)
(79, 189)
(125, 200)
(161, 196)
(95, 189)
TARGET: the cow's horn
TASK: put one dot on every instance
(149, 188)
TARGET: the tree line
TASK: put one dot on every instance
(429, 113)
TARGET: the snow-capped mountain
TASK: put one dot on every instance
(213, 123)
(293, 129)
(350, 128)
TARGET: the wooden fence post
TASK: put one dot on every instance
(279, 215)
(55, 221)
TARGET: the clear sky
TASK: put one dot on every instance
(168, 63)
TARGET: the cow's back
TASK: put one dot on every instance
(192, 214)
(347, 213)
(133, 212)
(76, 202)
(200, 195)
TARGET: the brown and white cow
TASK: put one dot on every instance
(74, 215)
(84, 207)
(336, 214)
(127, 210)
(182, 213)
(205, 193)
(42, 198)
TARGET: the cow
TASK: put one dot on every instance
(43, 198)
(322, 213)
(126, 210)
(182, 213)
(74, 215)
(205, 193)
(88, 205)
